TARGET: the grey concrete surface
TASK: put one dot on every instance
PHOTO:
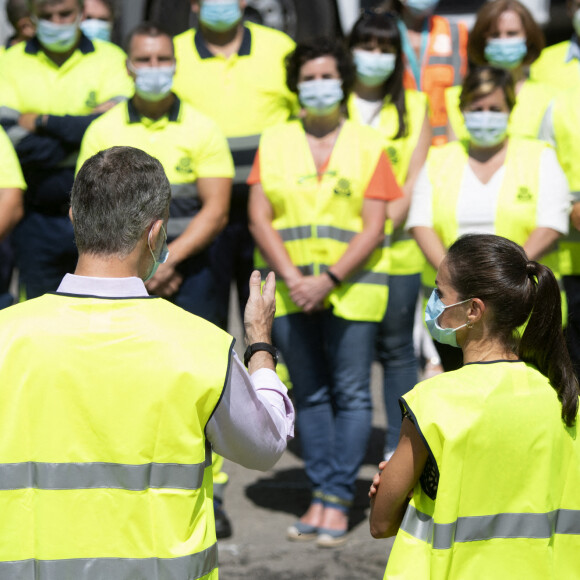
(262, 505)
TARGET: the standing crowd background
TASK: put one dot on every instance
(349, 168)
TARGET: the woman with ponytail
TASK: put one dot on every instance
(484, 482)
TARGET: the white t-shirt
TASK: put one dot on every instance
(477, 205)
(369, 111)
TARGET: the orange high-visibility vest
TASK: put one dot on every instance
(444, 65)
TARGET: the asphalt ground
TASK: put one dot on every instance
(261, 506)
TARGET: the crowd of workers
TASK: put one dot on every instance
(348, 169)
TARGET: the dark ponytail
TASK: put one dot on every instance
(497, 271)
(543, 344)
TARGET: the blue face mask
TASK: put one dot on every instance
(96, 29)
(153, 83)
(57, 37)
(421, 7)
(486, 128)
(220, 17)
(434, 310)
(163, 255)
(320, 97)
(373, 68)
(506, 53)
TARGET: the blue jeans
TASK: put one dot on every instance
(45, 252)
(395, 350)
(329, 361)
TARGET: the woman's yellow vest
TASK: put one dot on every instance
(317, 219)
(566, 124)
(405, 256)
(516, 204)
(525, 119)
(105, 471)
(499, 495)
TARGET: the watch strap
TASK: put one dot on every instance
(258, 346)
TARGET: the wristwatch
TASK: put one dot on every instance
(257, 346)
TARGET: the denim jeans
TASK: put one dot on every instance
(395, 350)
(45, 252)
(329, 361)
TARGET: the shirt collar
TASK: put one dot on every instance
(204, 51)
(132, 287)
(573, 49)
(172, 115)
(85, 45)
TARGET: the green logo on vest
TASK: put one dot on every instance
(91, 101)
(524, 194)
(393, 155)
(184, 166)
(342, 187)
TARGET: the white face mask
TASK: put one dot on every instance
(321, 96)
(153, 83)
(97, 29)
(486, 128)
(373, 68)
(57, 37)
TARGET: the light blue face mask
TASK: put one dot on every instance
(153, 83)
(220, 17)
(57, 37)
(486, 128)
(320, 97)
(163, 255)
(506, 53)
(434, 310)
(373, 68)
(96, 29)
(421, 7)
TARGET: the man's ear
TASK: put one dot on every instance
(70, 215)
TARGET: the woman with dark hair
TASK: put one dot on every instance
(400, 116)
(489, 454)
(320, 188)
(492, 184)
(435, 56)
(505, 35)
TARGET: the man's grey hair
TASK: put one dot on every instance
(34, 4)
(117, 194)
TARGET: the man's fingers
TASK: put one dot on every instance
(255, 283)
(270, 286)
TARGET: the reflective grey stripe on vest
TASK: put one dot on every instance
(96, 475)
(364, 277)
(177, 225)
(575, 196)
(243, 151)
(183, 568)
(307, 270)
(439, 131)
(401, 235)
(454, 59)
(455, 53)
(15, 132)
(478, 528)
(332, 233)
(184, 190)
(297, 233)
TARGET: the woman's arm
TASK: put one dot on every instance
(399, 208)
(267, 239)
(311, 290)
(393, 487)
(430, 244)
(540, 242)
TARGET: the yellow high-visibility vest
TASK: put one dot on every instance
(517, 201)
(105, 470)
(317, 219)
(405, 256)
(499, 494)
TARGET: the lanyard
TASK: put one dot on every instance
(414, 64)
